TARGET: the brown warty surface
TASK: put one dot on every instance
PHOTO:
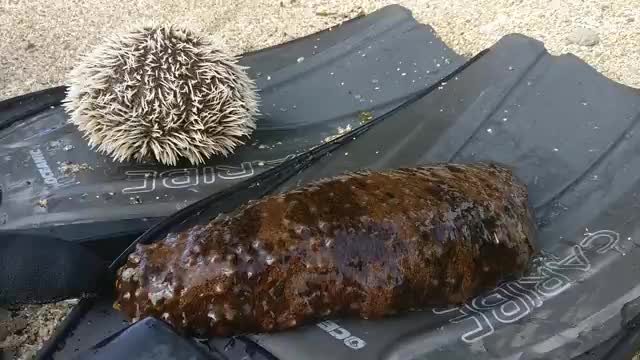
(366, 244)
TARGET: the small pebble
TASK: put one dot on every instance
(29, 46)
(583, 37)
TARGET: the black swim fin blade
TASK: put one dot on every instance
(37, 269)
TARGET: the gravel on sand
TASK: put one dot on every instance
(41, 39)
(23, 330)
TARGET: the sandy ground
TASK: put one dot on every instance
(40, 40)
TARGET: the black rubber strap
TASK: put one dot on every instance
(37, 269)
(18, 108)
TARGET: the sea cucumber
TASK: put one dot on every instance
(365, 244)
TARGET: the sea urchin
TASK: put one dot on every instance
(163, 93)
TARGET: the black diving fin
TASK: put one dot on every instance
(312, 89)
(566, 130)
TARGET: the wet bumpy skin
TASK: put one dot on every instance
(366, 244)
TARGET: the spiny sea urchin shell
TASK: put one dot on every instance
(164, 93)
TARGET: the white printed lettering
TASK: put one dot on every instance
(181, 178)
(43, 168)
(333, 329)
(328, 325)
(209, 175)
(146, 176)
(234, 172)
(612, 238)
(354, 342)
(516, 299)
(340, 333)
